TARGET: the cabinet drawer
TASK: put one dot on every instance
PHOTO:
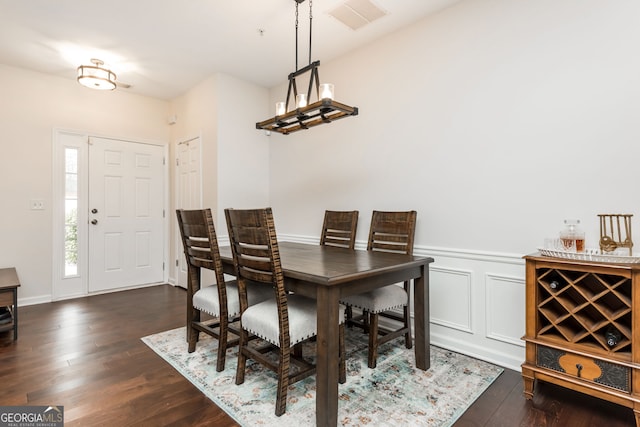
(586, 368)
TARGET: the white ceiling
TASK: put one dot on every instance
(164, 47)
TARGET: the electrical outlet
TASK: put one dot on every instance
(37, 204)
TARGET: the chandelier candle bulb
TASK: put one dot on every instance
(301, 100)
(326, 91)
(280, 108)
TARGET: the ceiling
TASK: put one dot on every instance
(164, 47)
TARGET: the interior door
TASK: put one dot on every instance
(125, 214)
(188, 194)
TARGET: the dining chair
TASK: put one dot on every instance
(339, 229)
(389, 232)
(219, 300)
(285, 320)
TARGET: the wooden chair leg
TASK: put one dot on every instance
(242, 358)
(283, 382)
(373, 340)
(408, 342)
(343, 368)
(349, 315)
(222, 344)
(365, 321)
(193, 315)
(407, 315)
(297, 350)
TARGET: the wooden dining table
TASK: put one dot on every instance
(328, 274)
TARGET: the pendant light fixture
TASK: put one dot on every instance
(96, 76)
(304, 113)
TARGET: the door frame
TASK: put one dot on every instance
(179, 252)
(77, 286)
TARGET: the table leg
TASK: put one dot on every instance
(15, 314)
(421, 317)
(327, 357)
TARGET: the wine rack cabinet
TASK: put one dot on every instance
(583, 328)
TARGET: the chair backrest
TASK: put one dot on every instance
(339, 229)
(200, 245)
(256, 258)
(392, 232)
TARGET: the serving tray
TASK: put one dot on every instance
(591, 255)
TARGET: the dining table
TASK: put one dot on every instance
(329, 274)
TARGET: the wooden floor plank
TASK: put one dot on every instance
(86, 354)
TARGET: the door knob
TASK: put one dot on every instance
(94, 221)
(94, 210)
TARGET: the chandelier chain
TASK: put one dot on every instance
(310, 27)
(296, 36)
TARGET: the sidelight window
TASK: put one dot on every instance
(71, 212)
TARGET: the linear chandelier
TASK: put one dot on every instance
(305, 114)
(96, 76)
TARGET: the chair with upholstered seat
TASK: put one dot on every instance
(286, 320)
(389, 232)
(339, 229)
(220, 300)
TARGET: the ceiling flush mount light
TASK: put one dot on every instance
(305, 113)
(96, 76)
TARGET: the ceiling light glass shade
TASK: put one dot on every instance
(96, 77)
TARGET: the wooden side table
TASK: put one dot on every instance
(583, 328)
(9, 298)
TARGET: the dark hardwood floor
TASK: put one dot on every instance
(86, 354)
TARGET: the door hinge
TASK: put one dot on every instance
(162, 213)
(177, 162)
(164, 161)
(177, 263)
(163, 266)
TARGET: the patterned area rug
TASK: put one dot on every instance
(393, 394)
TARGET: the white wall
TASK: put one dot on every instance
(495, 120)
(243, 151)
(235, 156)
(31, 106)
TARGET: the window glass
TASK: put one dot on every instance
(71, 212)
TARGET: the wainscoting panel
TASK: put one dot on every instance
(450, 298)
(505, 320)
(494, 300)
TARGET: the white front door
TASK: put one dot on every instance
(125, 214)
(188, 193)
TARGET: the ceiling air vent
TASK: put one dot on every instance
(356, 14)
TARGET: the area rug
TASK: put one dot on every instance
(394, 394)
